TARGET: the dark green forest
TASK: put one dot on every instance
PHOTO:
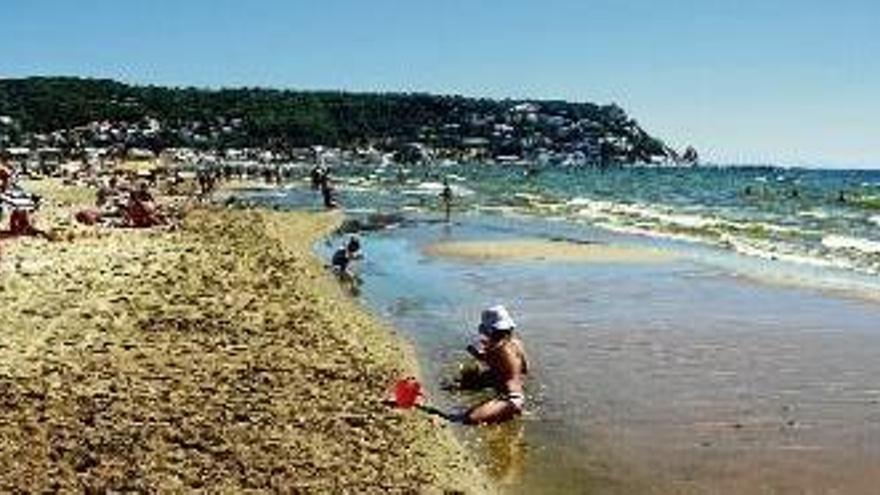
(259, 117)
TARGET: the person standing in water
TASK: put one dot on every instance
(342, 258)
(327, 191)
(503, 354)
(316, 175)
(446, 198)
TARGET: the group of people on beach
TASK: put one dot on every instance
(120, 203)
(126, 201)
(321, 181)
(122, 199)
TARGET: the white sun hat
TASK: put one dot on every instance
(496, 319)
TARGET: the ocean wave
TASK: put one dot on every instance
(579, 201)
(816, 213)
(800, 232)
(358, 188)
(758, 239)
(867, 202)
(750, 239)
(503, 210)
(851, 243)
(435, 188)
(528, 197)
(779, 252)
(646, 231)
(703, 224)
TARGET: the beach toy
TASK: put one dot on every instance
(407, 392)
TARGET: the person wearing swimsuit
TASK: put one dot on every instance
(504, 355)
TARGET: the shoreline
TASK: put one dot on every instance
(220, 356)
(661, 377)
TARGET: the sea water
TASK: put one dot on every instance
(727, 369)
(809, 216)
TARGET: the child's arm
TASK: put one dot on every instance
(477, 353)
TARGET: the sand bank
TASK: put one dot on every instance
(218, 357)
(545, 250)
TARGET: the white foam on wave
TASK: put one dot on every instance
(792, 250)
(612, 225)
(504, 210)
(637, 211)
(769, 227)
(361, 211)
(650, 222)
(816, 213)
(687, 220)
(579, 201)
(430, 186)
(461, 191)
(790, 245)
(664, 216)
(435, 188)
(776, 252)
(851, 243)
(529, 197)
(791, 269)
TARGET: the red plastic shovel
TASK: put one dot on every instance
(407, 393)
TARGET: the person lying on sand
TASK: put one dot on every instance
(503, 354)
(141, 210)
(21, 206)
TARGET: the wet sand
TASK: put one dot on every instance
(545, 250)
(216, 357)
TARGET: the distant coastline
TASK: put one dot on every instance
(65, 118)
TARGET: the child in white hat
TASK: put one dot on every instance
(504, 356)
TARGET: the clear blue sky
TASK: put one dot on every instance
(785, 81)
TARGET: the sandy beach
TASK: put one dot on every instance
(219, 356)
(545, 250)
